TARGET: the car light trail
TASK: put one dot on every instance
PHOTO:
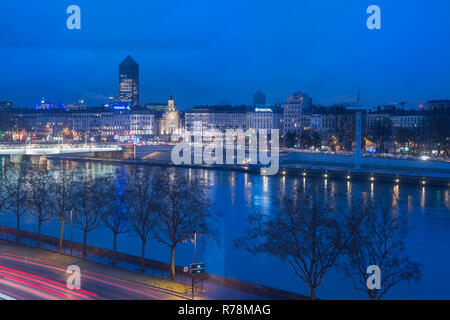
(42, 281)
(6, 297)
(60, 267)
(37, 286)
(63, 269)
(45, 266)
(27, 289)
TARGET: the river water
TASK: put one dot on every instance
(237, 194)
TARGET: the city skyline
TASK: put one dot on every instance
(128, 92)
(193, 53)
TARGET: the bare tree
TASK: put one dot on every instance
(143, 206)
(89, 203)
(63, 199)
(381, 132)
(40, 197)
(306, 231)
(115, 213)
(3, 194)
(184, 210)
(379, 241)
(16, 192)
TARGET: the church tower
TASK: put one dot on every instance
(171, 104)
(170, 122)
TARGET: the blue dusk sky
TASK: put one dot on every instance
(205, 52)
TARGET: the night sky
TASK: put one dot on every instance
(205, 52)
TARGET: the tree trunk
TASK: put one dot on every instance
(39, 234)
(114, 261)
(143, 256)
(61, 234)
(313, 293)
(84, 244)
(172, 263)
(18, 228)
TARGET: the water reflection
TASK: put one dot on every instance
(410, 204)
(349, 194)
(232, 179)
(265, 184)
(422, 198)
(395, 195)
(447, 203)
(372, 193)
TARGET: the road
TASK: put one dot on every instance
(25, 278)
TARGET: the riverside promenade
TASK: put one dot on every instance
(398, 170)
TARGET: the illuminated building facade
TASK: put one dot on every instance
(293, 112)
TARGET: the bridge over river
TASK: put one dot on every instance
(18, 151)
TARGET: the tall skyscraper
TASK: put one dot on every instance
(293, 111)
(259, 99)
(129, 82)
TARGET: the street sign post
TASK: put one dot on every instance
(196, 269)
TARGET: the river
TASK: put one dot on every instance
(237, 194)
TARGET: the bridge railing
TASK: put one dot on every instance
(60, 146)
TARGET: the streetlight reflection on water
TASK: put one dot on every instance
(265, 184)
(422, 198)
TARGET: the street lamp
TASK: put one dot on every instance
(195, 258)
(71, 242)
(195, 247)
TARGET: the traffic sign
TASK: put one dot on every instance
(197, 268)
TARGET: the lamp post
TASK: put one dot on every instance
(195, 247)
(195, 258)
(71, 242)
